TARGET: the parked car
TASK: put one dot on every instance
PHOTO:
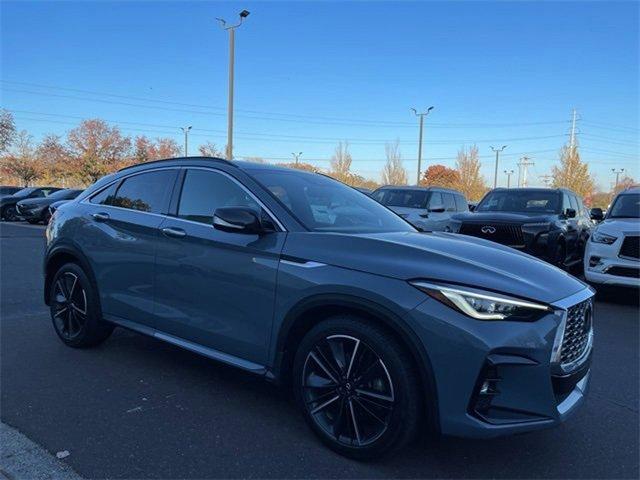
(364, 190)
(427, 208)
(8, 203)
(374, 325)
(552, 224)
(54, 206)
(8, 190)
(613, 255)
(35, 210)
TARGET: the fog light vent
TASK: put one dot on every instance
(487, 388)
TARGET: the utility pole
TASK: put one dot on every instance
(495, 175)
(296, 156)
(508, 173)
(572, 140)
(185, 130)
(546, 179)
(617, 172)
(232, 37)
(421, 115)
(523, 165)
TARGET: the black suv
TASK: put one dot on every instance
(552, 224)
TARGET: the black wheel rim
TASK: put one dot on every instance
(10, 214)
(69, 306)
(347, 390)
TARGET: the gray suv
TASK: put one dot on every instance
(427, 208)
(379, 330)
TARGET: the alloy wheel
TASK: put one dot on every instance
(10, 214)
(69, 305)
(347, 390)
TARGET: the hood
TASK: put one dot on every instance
(33, 202)
(440, 257)
(503, 217)
(9, 199)
(619, 225)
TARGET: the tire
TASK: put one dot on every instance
(379, 402)
(9, 213)
(75, 309)
(32, 221)
(559, 255)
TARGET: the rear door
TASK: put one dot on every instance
(215, 288)
(120, 231)
(571, 233)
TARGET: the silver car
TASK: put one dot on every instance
(427, 208)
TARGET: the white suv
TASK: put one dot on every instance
(612, 255)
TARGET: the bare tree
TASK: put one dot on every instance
(210, 149)
(22, 162)
(7, 130)
(471, 183)
(97, 149)
(341, 163)
(393, 172)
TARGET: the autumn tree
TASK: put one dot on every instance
(255, 159)
(7, 130)
(440, 176)
(470, 182)
(97, 149)
(600, 200)
(572, 173)
(624, 183)
(53, 156)
(393, 172)
(210, 149)
(307, 167)
(146, 150)
(22, 162)
(341, 162)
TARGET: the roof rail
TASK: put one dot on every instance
(215, 159)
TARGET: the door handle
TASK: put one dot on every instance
(174, 232)
(100, 216)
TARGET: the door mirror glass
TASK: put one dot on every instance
(438, 208)
(596, 214)
(237, 220)
(570, 213)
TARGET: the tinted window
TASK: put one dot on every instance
(436, 200)
(625, 206)
(147, 192)
(461, 203)
(378, 195)
(204, 191)
(566, 203)
(65, 194)
(525, 201)
(404, 198)
(326, 205)
(449, 202)
(105, 197)
(574, 203)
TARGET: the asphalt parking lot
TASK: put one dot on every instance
(138, 408)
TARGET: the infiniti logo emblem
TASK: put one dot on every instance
(488, 229)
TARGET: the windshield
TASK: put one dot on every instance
(521, 201)
(625, 206)
(325, 205)
(402, 198)
(24, 191)
(64, 194)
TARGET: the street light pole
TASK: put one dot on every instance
(508, 173)
(421, 115)
(617, 172)
(232, 37)
(495, 175)
(185, 130)
(296, 156)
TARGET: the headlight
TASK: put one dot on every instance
(598, 237)
(483, 305)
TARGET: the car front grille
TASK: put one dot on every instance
(506, 234)
(576, 332)
(630, 272)
(630, 247)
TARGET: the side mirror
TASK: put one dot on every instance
(238, 220)
(570, 213)
(472, 207)
(596, 214)
(436, 208)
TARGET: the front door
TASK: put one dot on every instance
(215, 288)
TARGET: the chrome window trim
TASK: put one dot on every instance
(87, 199)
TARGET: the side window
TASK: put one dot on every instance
(205, 191)
(36, 194)
(378, 196)
(449, 202)
(435, 200)
(461, 203)
(566, 203)
(105, 197)
(146, 192)
(574, 204)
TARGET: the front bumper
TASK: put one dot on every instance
(30, 214)
(509, 361)
(601, 262)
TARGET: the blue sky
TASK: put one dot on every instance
(311, 73)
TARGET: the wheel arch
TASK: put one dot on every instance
(59, 256)
(307, 313)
